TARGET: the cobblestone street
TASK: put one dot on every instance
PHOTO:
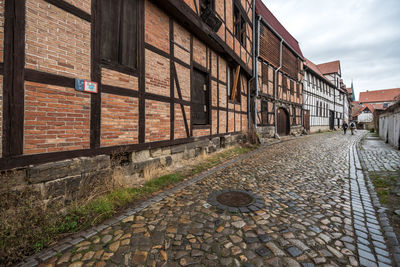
(308, 187)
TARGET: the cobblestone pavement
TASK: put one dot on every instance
(382, 160)
(307, 218)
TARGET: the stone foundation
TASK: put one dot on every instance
(316, 129)
(296, 130)
(267, 132)
(80, 178)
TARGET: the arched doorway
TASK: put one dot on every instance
(282, 122)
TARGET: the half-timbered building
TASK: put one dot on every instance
(333, 72)
(278, 106)
(91, 78)
(318, 100)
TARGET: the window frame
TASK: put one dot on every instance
(117, 64)
(239, 32)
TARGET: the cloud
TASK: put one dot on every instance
(363, 34)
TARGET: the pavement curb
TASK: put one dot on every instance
(76, 238)
(390, 235)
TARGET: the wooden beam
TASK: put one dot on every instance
(235, 83)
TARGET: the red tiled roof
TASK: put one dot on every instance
(329, 67)
(267, 15)
(350, 90)
(315, 68)
(387, 95)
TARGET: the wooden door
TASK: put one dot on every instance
(331, 119)
(306, 117)
(282, 122)
(199, 98)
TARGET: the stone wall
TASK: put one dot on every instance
(81, 178)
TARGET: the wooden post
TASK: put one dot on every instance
(233, 95)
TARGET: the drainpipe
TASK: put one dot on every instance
(255, 63)
(276, 87)
(254, 74)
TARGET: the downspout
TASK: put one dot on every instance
(255, 61)
(276, 87)
(254, 74)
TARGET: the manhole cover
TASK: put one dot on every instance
(236, 200)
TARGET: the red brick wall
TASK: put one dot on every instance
(179, 124)
(214, 117)
(222, 121)
(85, 5)
(56, 41)
(157, 74)
(115, 78)
(184, 81)
(56, 119)
(199, 52)
(1, 29)
(231, 122)
(119, 120)
(156, 27)
(157, 121)
(201, 132)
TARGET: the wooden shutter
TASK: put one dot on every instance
(110, 29)
(292, 87)
(128, 38)
(199, 98)
(264, 112)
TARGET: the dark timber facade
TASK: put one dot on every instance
(279, 77)
(168, 73)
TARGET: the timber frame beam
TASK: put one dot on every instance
(189, 19)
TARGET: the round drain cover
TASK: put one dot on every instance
(235, 199)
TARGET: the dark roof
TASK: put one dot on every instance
(309, 64)
(273, 22)
(330, 67)
(387, 95)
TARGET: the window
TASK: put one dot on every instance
(239, 25)
(200, 92)
(298, 90)
(119, 32)
(309, 79)
(316, 110)
(231, 80)
(291, 87)
(326, 114)
(264, 112)
(284, 84)
(294, 115)
(320, 109)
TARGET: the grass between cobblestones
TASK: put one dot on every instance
(28, 229)
(386, 186)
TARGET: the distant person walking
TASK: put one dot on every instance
(352, 127)
(345, 126)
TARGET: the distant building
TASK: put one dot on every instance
(386, 97)
(318, 99)
(371, 102)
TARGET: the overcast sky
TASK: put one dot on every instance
(363, 34)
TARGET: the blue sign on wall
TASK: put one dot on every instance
(85, 86)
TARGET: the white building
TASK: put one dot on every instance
(324, 101)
